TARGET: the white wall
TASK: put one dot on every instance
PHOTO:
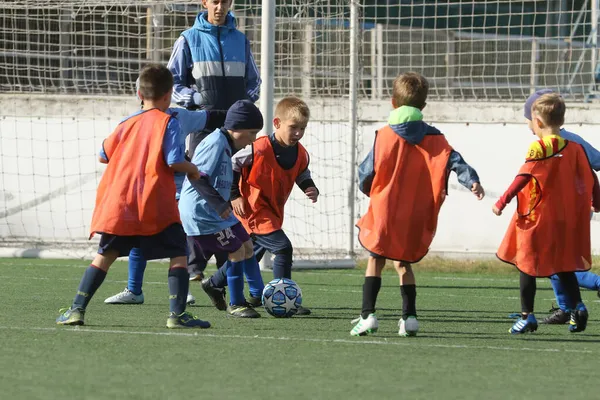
(49, 172)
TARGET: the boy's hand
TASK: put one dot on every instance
(596, 210)
(239, 206)
(193, 176)
(496, 210)
(478, 191)
(225, 214)
(312, 193)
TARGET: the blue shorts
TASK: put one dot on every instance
(169, 243)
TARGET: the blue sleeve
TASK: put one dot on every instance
(366, 172)
(592, 153)
(190, 121)
(102, 153)
(207, 156)
(252, 75)
(173, 143)
(466, 175)
(180, 64)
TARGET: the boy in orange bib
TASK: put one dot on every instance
(405, 175)
(135, 201)
(264, 176)
(550, 231)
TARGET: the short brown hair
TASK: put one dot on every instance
(551, 109)
(155, 81)
(410, 89)
(292, 107)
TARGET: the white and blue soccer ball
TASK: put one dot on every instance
(282, 297)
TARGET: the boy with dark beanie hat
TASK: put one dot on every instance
(206, 209)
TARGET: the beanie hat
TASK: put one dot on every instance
(243, 114)
(531, 99)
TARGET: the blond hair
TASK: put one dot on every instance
(294, 108)
(410, 89)
(550, 108)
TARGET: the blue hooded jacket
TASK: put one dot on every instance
(213, 66)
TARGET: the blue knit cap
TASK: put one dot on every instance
(243, 114)
(531, 99)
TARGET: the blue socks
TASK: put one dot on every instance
(235, 281)
(588, 280)
(253, 276)
(90, 282)
(137, 266)
(179, 284)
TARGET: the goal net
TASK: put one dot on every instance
(68, 71)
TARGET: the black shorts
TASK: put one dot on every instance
(169, 243)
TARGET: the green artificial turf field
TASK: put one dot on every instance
(463, 350)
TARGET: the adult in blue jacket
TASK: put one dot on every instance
(212, 64)
(212, 67)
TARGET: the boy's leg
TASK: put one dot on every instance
(280, 245)
(408, 324)
(367, 323)
(110, 248)
(133, 293)
(214, 286)
(253, 276)
(195, 265)
(527, 322)
(588, 280)
(560, 314)
(172, 243)
(579, 314)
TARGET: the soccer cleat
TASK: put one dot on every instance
(364, 326)
(126, 297)
(70, 316)
(197, 277)
(303, 311)
(529, 324)
(243, 311)
(408, 326)
(558, 317)
(216, 295)
(190, 299)
(186, 320)
(255, 301)
(579, 319)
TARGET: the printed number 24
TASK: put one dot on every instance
(224, 235)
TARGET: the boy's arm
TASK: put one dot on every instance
(196, 121)
(304, 181)
(180, 65)
(466, 175)
(253, 80)
(518, 184)
(241, 159)
(593, 155)
(174, 150)
(366, 172)
(210, 194)
(596, 194)
(102, 157)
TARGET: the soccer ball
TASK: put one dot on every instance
(282, 297)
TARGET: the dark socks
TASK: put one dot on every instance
(409, 299)
(179, 284)
(528, 288)
(370, 291)
(570, 285)
(219, 278)
(90, 282)
(282, 264)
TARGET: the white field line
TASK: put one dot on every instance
(385, 342)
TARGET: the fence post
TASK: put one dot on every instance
(307, 60)
(267, 71)
(533, 68)
(352, 119)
